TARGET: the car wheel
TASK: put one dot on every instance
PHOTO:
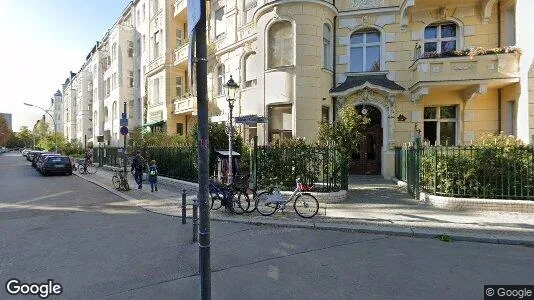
(43, 173)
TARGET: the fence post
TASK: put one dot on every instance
(417, 165)
(195, 221)
(255, 164)
(435, 170)
(344, 172)
(183, 206)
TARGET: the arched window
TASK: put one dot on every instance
(251, 74)
(365, 51)
(441, 37)
(114, 110)
(327, 47)
(280, 39)
(220, 80)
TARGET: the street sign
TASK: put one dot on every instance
(123, 122)
(250, 119)
(124, 130)
(119, 150)
(123, 115)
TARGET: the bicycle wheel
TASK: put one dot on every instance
(125, 185)
(306, 205)
(116, 181)
(81, 169)
(264, 205)
(216, 202)
(91, 169)
(235, 204)
(247, 200)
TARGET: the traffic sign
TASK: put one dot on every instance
(124, 130)
(123, 122)
(123, 115)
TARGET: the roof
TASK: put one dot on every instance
(58, 93)
(226, 152)
(374, 81)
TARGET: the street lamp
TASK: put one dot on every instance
(231, 92)
(48, 112)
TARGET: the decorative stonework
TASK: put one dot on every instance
(365, 4)
(442, 13)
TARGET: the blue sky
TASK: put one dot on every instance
(41, 42)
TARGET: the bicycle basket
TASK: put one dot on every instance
(302, 187)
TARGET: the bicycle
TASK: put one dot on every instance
(120, 182)
(305, 204)
(228, 196)
(86, 168)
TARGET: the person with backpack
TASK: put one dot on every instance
(137, 168)
(153, 175)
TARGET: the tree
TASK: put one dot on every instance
(51, 140)
(345, 133)
(5, 132)
(26, 136)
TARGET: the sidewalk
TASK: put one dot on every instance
(373, 205)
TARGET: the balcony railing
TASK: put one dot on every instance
(185, 104)
(480, 67)
(181, 54)
(156, 63)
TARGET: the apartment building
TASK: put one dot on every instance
(57, 111)
(69, 107)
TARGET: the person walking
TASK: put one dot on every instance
(153, 175)
(137, 168)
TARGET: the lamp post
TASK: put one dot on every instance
(52, 117)
(231, 89)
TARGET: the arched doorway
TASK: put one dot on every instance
(366, 160)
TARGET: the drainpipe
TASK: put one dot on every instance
(334, 99)
(499, 99)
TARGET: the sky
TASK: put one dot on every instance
(41, 41)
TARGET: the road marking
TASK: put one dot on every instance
(43, 197)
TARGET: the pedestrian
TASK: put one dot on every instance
(153, 175)
(137, 168)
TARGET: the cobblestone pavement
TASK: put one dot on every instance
(373, 205)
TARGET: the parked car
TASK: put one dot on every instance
(25, 152)
(32, 154)
(37, 157)
(56, 164)
(41, 159)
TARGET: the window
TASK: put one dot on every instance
(155, 93)
(327, 47)
(219, 22)
(250, 7)
(365, 51)
(114, 114)
(180, 128)
(510, 26)
(280, 39)
(113, 81)
(144, 11)
(440, 38)
(510, 118)
(220, 80)
(155, 5)
(144, 43)
(179, 37)
(251, 76)
(156, 44)
(440, 125)
(108, 87)
(130, 49)
(325, 113)
(179, 86)
(138, 17)
(131, 78)
(114, 52)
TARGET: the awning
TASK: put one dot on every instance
(226, 153)
(156, 123)
(358, 82)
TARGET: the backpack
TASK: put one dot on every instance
(152, 171)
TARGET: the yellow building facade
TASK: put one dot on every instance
(403, 63)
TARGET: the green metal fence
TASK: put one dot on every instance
(471, 172)
(323, 167)
(172, 162)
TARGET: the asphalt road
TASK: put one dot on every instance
(98, 246)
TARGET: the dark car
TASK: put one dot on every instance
(33, 156)
(36, 158)
(55, 164)
(41, 159)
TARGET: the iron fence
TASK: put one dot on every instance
(470, 172)
(325, 168)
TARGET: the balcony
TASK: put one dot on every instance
(179, 7)
(185, 104)
(246, 31)
(464, 72)
(156, 63)
(181, 54)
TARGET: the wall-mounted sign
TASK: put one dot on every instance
(250, 119)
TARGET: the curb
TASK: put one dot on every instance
(360, 228)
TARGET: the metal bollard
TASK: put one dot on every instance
(183, 206)
(195, 221)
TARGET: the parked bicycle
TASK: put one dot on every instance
(304, 203)
(120, 182)
(232, 198)
(86, 168)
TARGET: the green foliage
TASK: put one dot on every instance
(140, 140)
(26, 136)
(496, 166)
(445, 238)
(345, 133)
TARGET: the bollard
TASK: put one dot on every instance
(195, 221)
(183, 206)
